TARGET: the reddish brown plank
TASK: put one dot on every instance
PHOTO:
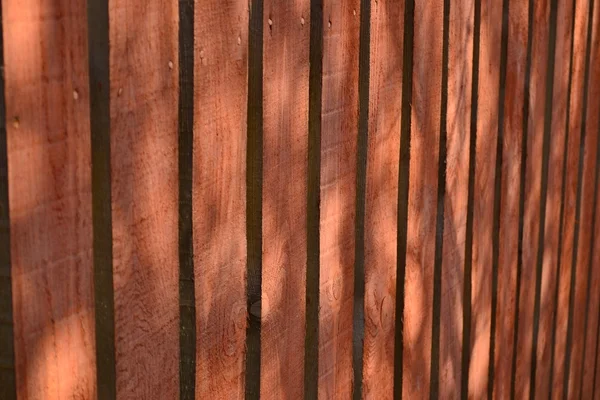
(285, 135)
(574, 116)
(553, 199)
(339, 112)
(144, 87)
(422, 198)
(219, 196)
(48, 143)
(587, 204)
(381, 231)
(458, 123)
(483, 206)
(509, 197)
(533, 176)
(584, 374)
(589, 355)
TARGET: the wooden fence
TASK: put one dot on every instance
(289, 199)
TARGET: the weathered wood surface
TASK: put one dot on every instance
(551, 278)
(49, 179)
(252, 112)
(285, 146)
(339, 116)
(573, 126)
(512, 152)
(458, 127)
(483, 205)
(532, 195)
(144, 183)
(219, 197)
(381, 197)
(422, 198)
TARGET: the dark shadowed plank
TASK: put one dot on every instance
(144, 137)
(219, 196)
(339, 113)
(385, 94)
(509, 200)
(285, 102)
(556, 163)
(458, 122)
(485, 162)
(422, 198)
(48, 143)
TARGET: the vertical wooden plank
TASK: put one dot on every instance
(535, 133)
(590, 332)
(422, 198)
(219, 196)
(285, 135)
(339, 111)
(509, 197)
(593, 307)
(49, 180)
(573, 126)
(144, 93)
(586, 203)
(485, 162)
(554, 200)
(383, 147)
(8, 384)
(458, 122)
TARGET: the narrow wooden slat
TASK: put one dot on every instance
(590, 331)
(339, 112)
(573, 126)
(592, 347)
(219, 196)
(550, 279)
(285, 135)
(485, 162)
(510, 194)
(383, 149)
(460, 58)
(582, 264)
(422, 198)
(8, 384)
(533, 188)
(49, 186)
(144, 158)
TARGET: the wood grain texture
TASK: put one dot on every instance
(593, 306)
(593, 300)
(285, 146)
(339, 111)
(574, 116)
(485, 162)
(535, 135)
(582, 277)
(49, 175)
(144, 93)
(381, 201)
(219, 196)
(509, 197)
(422, 198)
(552, 223)
(458, 123)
